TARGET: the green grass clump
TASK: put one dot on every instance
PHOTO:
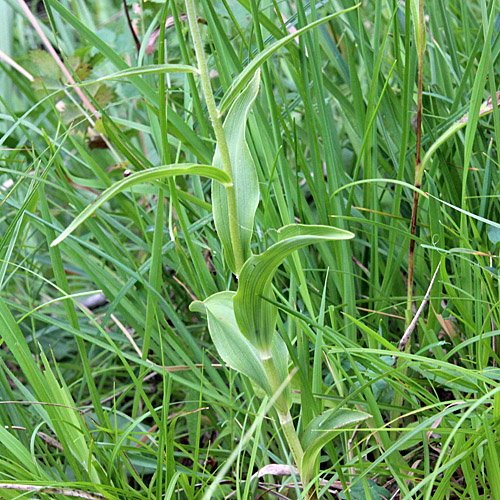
(195, 176)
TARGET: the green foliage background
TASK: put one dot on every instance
(131, 399)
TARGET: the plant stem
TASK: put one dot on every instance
(282, 408)
(220, 136)
(418, 173)
(291, 437)
(398, 398)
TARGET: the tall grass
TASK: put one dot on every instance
(133, 399)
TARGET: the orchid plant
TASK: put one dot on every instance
(243, 323)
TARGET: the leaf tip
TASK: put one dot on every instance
(197, 306)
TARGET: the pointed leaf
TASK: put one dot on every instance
(256, 317)
(322, 430)
(241, 80)
(245, 179)
(231, 345)
(235, 349)
(140, 71)
(357, 491)
(417, 21)
(151, 174)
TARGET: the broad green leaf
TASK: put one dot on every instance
(235, 349)
(151, 174)
(242, 79)
(322, 430)
(256, 317)
(246, 183)
(494, 234)
(357, 491)
(41, 63)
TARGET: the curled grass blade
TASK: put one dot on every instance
(150, 174)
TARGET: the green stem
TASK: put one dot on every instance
(291, 437)
(286, 421)
(220, 136)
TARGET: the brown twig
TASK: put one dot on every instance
(418, 177)
(409, 330)
(32, 19)
(131, 26)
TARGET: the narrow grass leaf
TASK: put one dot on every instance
(491, 452)
(241, 80)
(68, 427)
(151, 69)
(485, 109)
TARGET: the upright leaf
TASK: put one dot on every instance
(257, 317)
(231, 345)
(418, 20)
(245, 179)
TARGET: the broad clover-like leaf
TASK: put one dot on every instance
(322, 430)
(245, 181)
(235, 349)
(257, 317)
